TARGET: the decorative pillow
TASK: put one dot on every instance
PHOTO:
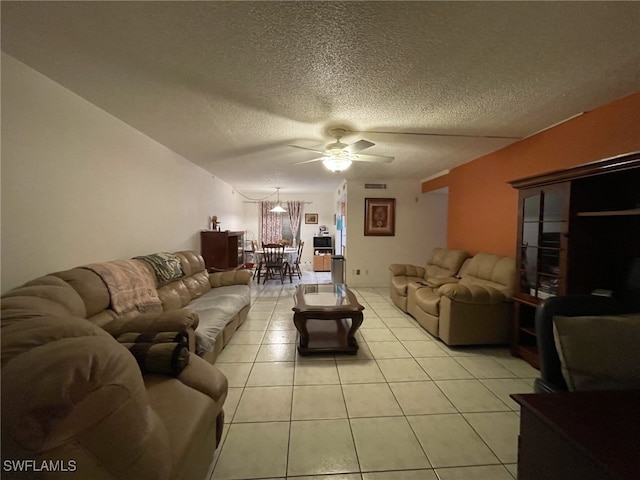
(153, 337)
(166, 266)
(165, 358)
(599, 353)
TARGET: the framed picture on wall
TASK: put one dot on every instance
(380, 217)
(310, 218)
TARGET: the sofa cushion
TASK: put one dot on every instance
(89, 286)
(47, 295)
(197, 284)
(215, 309)
(428, 301)
(407, 270)
(490, 270)
(445, 262)
(174, 295)
(20, 337)
(191, 262)
(399, 284)
(599, 352)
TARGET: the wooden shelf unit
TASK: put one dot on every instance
(578, 230)
(322, 251)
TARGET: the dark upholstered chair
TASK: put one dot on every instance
(551, 378)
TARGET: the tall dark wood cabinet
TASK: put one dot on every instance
(222, 250)
(578, 231)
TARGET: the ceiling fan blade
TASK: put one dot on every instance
(427, 134)
(359, 146)
(372, 158)
(305, 148)
(309, 161)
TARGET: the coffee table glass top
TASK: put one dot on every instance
(325, 295)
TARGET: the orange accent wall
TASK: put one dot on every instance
(483, 206)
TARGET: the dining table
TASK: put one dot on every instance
(290, 253)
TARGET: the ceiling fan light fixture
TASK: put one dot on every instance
(278, 208)
(336, 164)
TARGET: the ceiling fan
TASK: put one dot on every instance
(337, 156)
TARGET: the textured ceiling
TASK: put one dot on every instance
(229, 84)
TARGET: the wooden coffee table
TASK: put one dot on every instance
(321, 315)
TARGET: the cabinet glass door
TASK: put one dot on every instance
(240, 249)
(543, 240)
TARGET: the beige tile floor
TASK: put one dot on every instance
(406, 407)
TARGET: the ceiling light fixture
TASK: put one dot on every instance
(278, 208)
(337, 160)
(336, 164)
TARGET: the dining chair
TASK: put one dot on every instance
(296, 263)
(275, 262)
(257, 260)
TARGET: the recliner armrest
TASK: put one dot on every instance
(205, 377)
(436, 282)
(179, 320)
(475, 294)
(183, 320)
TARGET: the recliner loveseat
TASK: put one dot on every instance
(444, 263)
(472, 309)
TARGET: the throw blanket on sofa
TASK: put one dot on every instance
(166, 266)
(131, 286)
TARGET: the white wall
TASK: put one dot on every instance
(322, 204)
(421, 225)
(80, 186)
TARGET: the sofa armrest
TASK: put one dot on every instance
(183, 320)
(473, 294)
(204, 377)
(232, 277)
(399, 269)
(436, 282)
(179, 320)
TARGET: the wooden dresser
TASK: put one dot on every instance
(222, 250)
(579, 435)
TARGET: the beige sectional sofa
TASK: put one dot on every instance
(72, 393)
(471, 307)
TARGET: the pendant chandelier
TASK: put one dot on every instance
(278, 208)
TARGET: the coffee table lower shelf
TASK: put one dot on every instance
(327, 336)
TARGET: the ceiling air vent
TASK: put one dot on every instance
(376, 186)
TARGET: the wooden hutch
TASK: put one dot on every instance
(578, 231)
(222, 250)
